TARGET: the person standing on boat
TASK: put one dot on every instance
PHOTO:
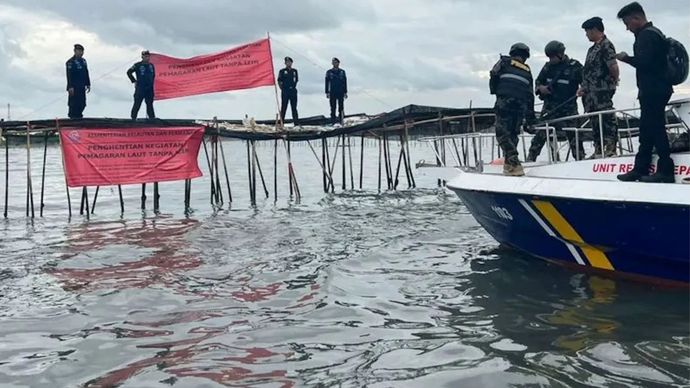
(654, 91)
(557, 85)
(336, 89)
(78, 83)
(143, 84)
(287, 81)
(511, 81)
(599, 81)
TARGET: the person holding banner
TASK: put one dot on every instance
(143, 84)
(78, 83)
(336, 89)
(287, 81)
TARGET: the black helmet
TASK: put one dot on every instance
(554, 48)
(519, 49)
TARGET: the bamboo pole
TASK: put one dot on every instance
(29, 183)
(95, 197)
(289, 167)
(225, 166)
(122, 201)
(43, 172)
(64, 172)
(261, 174)
(379, 179)
(275, 171)
(323, 163)
(156, 198)
(249, 175)
(210, 169)
(349, 153)
(143, 196)
(344, 185)
(361, 163)
(7, 167)
(323, 167)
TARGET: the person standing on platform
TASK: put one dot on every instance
(143, 84)
(336, 90)
(78, 83)
(511, 82)
(599, 81)
(654, 91)
(557, 85)
(287, 81)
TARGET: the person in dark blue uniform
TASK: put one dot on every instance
(78, 83)
(287, 81)
(336, 89)
(143, 84)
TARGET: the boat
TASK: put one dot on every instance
(577, 213)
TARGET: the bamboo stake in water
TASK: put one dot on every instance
(29, 184)
(62, 157)
(7, 166)
(43, 173)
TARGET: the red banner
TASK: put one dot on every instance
(243, 67)
(103, 157)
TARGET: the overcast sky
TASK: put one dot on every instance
(395, 52)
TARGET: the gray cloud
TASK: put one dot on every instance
(400, 52)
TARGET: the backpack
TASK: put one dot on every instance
(676, 62)
(676, 59)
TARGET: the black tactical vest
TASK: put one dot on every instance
(514, 79)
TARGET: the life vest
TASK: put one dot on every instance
(512, 78)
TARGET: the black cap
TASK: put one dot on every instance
(145, 52)
(335, 59)
(78, 47)
(288, 59)
(594, 22)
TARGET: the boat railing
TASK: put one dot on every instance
(468, 149)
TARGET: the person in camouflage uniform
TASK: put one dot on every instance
(557, 84)
(511, 82)
(600, 77)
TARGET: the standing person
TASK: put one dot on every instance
(78, 83)
(511, 82)
(599, 81)
(287, 81)
(336, 89)
(654, 91)
(557, 85)
(143, 84)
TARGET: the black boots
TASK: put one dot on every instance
(630, 176)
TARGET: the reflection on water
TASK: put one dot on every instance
(357, 289)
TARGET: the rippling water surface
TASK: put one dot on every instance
(357, 288)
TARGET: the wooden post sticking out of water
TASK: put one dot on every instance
(344, 185)
(361, 162)
(29, 184)
(225, 165)
(64, 172)
(95, 197)
(275, 171)
(143, 196)
(380, 146)
(252, 195)
(7, 165)
(210, 169)
(43, 172)
(156, 198)
(122, 201)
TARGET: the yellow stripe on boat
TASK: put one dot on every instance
(595, 256)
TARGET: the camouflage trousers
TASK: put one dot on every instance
(575, 141)
(510, 113)
(599, 101)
